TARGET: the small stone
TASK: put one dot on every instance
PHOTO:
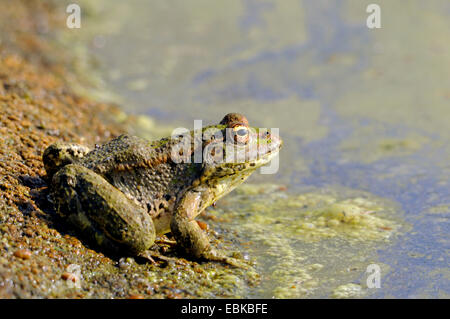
(23, 253)
(28, 232)
(202, 225)
(68, 276)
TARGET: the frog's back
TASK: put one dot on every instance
(119, 152)
(142, 170)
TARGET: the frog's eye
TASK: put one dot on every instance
(241, 134)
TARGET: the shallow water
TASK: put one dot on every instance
(361, 111)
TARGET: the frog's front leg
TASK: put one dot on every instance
(189, 235)
(101, 212)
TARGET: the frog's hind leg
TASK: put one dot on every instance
(101, 212)
(60, 154)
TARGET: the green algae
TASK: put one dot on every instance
(304, 244)
(368, 145)
(347, 291)
(439, 209)
(313, 216)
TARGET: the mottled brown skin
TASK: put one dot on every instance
(125, 192)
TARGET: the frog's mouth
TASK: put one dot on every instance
(268, 148)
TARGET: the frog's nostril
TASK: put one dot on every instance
(276, 141)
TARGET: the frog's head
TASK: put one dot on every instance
(233, 150)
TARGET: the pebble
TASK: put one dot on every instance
(202, 225)
(68, 276)
(23, 253)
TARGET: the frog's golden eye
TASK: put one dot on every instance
(241, 134)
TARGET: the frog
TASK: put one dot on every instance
(124, 193)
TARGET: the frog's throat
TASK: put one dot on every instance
(220, 187)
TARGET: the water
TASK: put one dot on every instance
(360, 109)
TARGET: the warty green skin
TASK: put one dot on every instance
(122, 194)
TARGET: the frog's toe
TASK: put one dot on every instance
(235, 263)
(215, 255)
(151, 255)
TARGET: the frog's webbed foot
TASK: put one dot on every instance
(214, 255)
(165, 242)
(190, 236)
(151, 255)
